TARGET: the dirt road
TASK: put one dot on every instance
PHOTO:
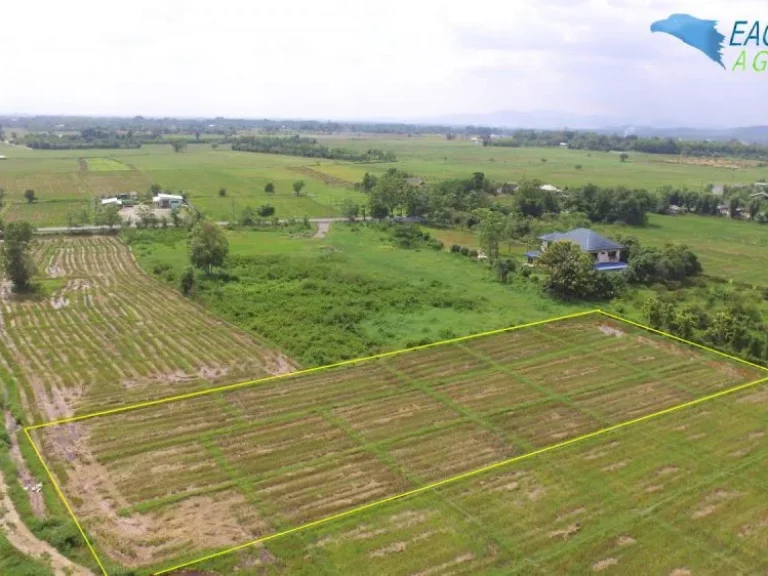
(27, 543)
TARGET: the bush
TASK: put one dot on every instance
(436, 244)
(187, 281)
(525, 272)
(455, 248)
(464, 251)
(473, 253)
(160, 268)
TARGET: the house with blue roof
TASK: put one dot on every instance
(606, 253)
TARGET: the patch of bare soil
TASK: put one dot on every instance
(54, 271)
(387, 550)
(322, 229)
(27, 543)
(614, 467)
(625, 540)
(280, 364)
(31, 484)
(443, 568)
(604, 564)
(611, 331)
(716, 500)
(567, 532)
(680, 572)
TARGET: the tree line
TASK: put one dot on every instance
(309, 147)
(610, 142)
(87, 138)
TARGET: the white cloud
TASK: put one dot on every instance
(347, 59)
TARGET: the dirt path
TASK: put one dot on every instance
(25, 476)
(27, 543)
(322, 229)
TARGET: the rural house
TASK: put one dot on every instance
(606, 253)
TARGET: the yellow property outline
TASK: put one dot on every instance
(415, 491)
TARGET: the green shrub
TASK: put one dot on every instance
(187, 281)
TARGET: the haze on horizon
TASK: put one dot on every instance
(348, 60)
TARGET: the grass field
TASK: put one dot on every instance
(202, 171)
(435, 158)
(105, 165)
(729, 249)
(61, 182)
(206, 473)
(352, 293)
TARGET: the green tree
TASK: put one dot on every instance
(269, 188)
(15, 256)
(2, 198)
(350, 209)
(222, 192)
(571, 271)
(623, 156)
(266, 210)
(29, 194)
(369, 181)
(175, 217)
(298, 186)
(179, 145)
(491, 231)
(654, 312)
(110, 216)
(207, 246)
(504, 268)
(248, 216)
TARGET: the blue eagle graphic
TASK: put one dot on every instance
(701, 34)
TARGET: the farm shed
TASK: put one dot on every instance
(168, 201)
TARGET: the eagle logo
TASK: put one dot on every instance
(700, 34)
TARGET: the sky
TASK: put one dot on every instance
(399, 59)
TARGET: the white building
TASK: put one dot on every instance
(111, 202)
(168, 201)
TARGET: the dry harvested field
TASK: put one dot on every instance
(169, 483)
(107, 334)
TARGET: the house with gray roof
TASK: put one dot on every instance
(606, 253)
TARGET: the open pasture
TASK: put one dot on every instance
(210, 472)
(202, 170)
(435, 158)
(103, 333)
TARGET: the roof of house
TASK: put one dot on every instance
(533, 254)
(587, 239)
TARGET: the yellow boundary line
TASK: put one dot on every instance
(420, 489)
(66, 504)
(230, 387)
(684, 341)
